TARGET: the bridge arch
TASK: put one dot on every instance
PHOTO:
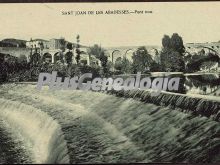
(210, 49)
(113, 52)
(127, 52)
(207, 61)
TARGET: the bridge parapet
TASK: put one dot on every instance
(127, 51)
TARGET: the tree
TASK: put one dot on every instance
(123, 65)
(35, 59)
(176, 43)
(155, 67)
(109, 65)
(142, 60)
(166, 41)
(69, 54)
(95, 50)
(78, 52)
(100, 54)
(172, 54)
(157, 57)
(69, 46)
(62, 46)
(69, 57)
(118, 63)
(104, 60)
(41, 45)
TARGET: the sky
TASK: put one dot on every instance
(193, 21)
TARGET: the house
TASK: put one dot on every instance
(36, 43)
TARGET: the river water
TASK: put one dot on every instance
(204, 84)
(193, 83)
(92, 127)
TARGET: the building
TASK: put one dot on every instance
(54, 43)
(36, 43)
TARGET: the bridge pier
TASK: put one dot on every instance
(52, 58)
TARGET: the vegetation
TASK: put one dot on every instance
(142, 60)
(78, 52)
(172, 58)
(172, 54)
(200, 60)
(69, 54)
(123, 65)
(99, 53)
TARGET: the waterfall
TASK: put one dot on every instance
(195, 105)
(42, 135)
(133, 127)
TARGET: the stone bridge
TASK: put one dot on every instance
(112, 52)
(214, 56)
(127, 51)
(207, 47)
(51, 53)
(17, 52)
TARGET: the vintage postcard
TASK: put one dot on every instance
(110, 82)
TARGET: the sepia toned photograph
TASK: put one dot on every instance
(117, 82)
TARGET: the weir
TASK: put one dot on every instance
(42, 136)
(12, 150)
(100, 127)
(196, 105)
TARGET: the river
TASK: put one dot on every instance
(93, 127)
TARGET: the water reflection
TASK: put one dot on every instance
(204, 84)
(192, 83)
